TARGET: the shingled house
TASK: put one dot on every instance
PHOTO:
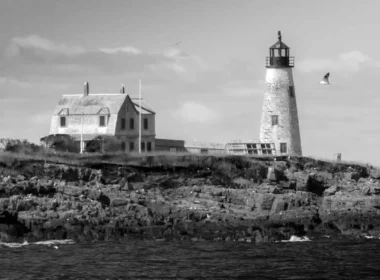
(105, 114)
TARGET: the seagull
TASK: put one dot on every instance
(325, 80)
(177, 44)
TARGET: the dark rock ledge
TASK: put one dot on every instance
(226, 198)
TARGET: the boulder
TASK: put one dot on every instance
(302, 180)
(7, 180)
(352, 176)
(330, 191)
(374, 173)
(267, 202)
(243, 182)
(273, 174)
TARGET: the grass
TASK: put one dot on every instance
(346, 162)
(154, 159)
(222, 162)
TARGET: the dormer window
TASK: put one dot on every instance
(102, 120)
(63, 121)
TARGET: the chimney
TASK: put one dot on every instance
(86, 89)
(122, 90)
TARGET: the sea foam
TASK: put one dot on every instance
(46, 243)
(295, 238)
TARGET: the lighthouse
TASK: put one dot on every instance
(279, 119)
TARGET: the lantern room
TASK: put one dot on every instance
(279, 55)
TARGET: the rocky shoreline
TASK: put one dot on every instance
(198, 198)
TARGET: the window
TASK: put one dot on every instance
(131, 123)
(63, 121)
(131, 146)
(283, 148)
(122, 124)
(291, 91)
(266, 149)
(274, 120)
(173, 150)
(204, 151)
(123, 146)
(102, 121)
(252, 149)
(143, 146)
(149, 146)
(145, 123)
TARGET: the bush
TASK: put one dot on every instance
(20, 146)
(102, 144)
(61, 143)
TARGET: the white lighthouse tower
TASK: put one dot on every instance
(279, 120)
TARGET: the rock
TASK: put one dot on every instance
(375, 189)
(302, 179)
(273, 174)
(316, 184)
(117, 202)
(267, 202)
(125, 186)
(46, 186)
(168, 202)
(243, 182)
(279, 205)
(69, 174)
(135, 185)
(330, 191)
(7, 180)
(352, 176)
(197, 189)
(20, 178)
(274, 190)
(374, 173)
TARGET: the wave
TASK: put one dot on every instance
(46, 243)
(295, 238)
(370, 237)
(54, 242)
(15, 245)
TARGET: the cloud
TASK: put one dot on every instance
(197, 113)
(35, 42)
(14, 82)
(8, 81)
(34, 55)
(129, 49)
(348, 61)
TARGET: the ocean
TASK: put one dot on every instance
(324, 258)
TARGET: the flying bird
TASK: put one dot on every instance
(325, 80)
(177, 44)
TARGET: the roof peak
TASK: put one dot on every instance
(279, 44)
(96, 94)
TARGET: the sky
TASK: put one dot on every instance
(210, 87)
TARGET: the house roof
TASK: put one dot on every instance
(92, 104)
(145, 107)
